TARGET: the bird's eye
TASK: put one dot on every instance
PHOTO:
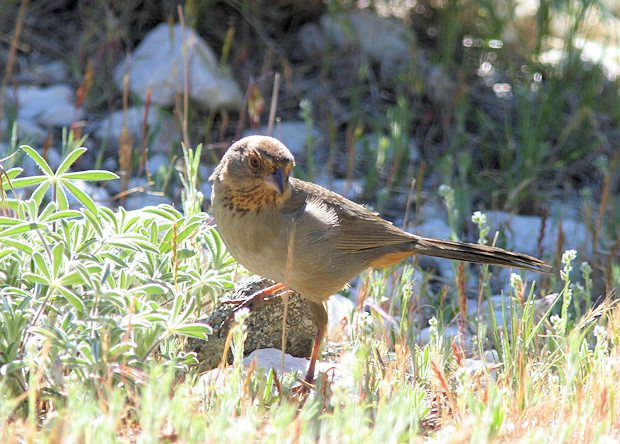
(254, 162)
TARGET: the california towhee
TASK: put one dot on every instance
(312, 239)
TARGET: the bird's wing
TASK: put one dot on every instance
(358, 230)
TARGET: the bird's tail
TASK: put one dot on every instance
(480, 254)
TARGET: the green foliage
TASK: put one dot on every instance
(94, 295)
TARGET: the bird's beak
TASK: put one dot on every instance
(276, 181)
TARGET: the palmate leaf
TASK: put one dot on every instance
(72, 298)
(90, 175)
(10, 174)
(80, 195)
(22, 228)
(70, 159)
(38, 159)
(27, 181)
(18, 245)
(34, 278)
(9, 221)
(194, 330)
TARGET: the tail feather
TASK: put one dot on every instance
(480, 254)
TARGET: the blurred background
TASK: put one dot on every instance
(512, 104)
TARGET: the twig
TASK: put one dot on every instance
(274, 103)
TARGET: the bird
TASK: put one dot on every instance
(313, 240)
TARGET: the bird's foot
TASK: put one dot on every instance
(303, 388)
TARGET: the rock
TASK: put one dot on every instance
(44, 74)
(438, 228)
(339, 311)
(158, 64)
(158, 162)
(351, 189)
(206, 188)
(478, 367)
(449, 334)
(52, 156)
(51, 106)
(311, 40)
(264, 326)
(271, 358)
(138, 200)
(522, 232)
(380, 38)
(110, 164)
(162, 127)
(28, 132)
(293, 134)
(61, 114)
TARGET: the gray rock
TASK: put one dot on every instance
(206, 188)
(135, 201)
(30, 167)
(44, 74)
(28, 131)
(51, 106)
(110, 164)
(438, 228)
(271, 358)
(157, 64)
(158, 162)
(380, 38)
(264, 326)
(162, 128)
(311, 40)
(140, 183)
(61, 114)
(53, 158)
(449, 334)
(339, 310)
(351, 189)
(293, 134)
(522, 233)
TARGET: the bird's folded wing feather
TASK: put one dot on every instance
(359, 229)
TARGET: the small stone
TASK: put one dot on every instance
(51, 106)
(139, 200)
(380, 38)
(28, 132)
(110, 164)
(522, 233)
(60, 114)
(449, 334)
(339, 311)
(311, 40)
(163, 132)
(349, 188)
(44, 74)
(158, 64)
(264, 325)
(158, 163)
(294, 134)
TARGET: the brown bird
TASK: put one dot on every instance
(312, 239)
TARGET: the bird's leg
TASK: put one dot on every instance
(249, 302)
(320, 320)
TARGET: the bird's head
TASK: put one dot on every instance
(257, 166)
